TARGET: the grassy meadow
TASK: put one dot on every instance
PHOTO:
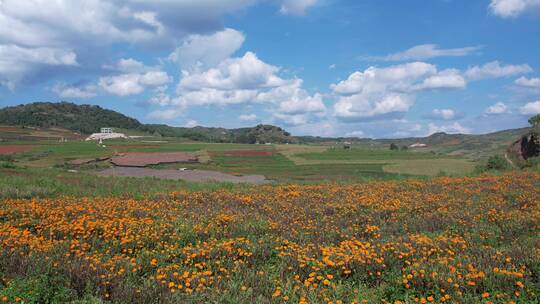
(335, 225)
(442, 240)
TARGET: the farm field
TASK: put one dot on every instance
(281, 163)
(452, 240)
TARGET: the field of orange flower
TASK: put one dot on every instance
(453, 240)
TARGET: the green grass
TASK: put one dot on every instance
(280, 168)
(33, 182)
(367, 155)
(288, 163)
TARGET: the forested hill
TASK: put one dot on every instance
(80, 118)
(88, 119)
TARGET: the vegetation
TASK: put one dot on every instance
(455, 240)
(494, 163)
(258, 134)
(89, 119)
(40, 183)
(80, 118)
(535, 120)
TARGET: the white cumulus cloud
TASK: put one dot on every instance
(497, 108)
(494, 69)
(207, 50)
(443, 114)
(529, 83)
(531, 108)
(451, 128)
(73, 91)
(133, 83)
(513, 8)
(248, 117)
(379, 92)
(18, 61)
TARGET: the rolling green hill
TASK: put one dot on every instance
(88, 119)
(80, 118)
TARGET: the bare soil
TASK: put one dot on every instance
(12, 149)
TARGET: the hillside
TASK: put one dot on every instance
(80, 118)
(88, 119)
(470, 145)
(257, 134)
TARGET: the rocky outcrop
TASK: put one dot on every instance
(526, 147)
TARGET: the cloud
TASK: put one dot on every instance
(443, 114)
(397, 77)
(214, 97)
(357, 133)
(59, 32)
(207, 50)
(17, 61)
(246, 73)
(167, 114)
(513, 8)
(426, 51)
(85, 91)
(247, 79)
(498, 108)
(494, 69)
(377, 93)
(357, 107)
(528, 83)
(292, 99)
(531, 108)
(127, 65)
(191, 123)
(296, 7)
(132, 84)
(446, 79)
(292, 120)
(248, 117)
(452, 128)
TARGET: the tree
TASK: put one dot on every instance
(496, 162)
(535, 120)
(394, 147)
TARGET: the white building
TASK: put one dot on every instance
(106, 130)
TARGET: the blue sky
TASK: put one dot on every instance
(366, 68)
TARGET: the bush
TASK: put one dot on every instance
(7, 165)
(494, 163)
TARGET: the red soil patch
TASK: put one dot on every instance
(248, 153)
(12, 149)
(147, 159)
